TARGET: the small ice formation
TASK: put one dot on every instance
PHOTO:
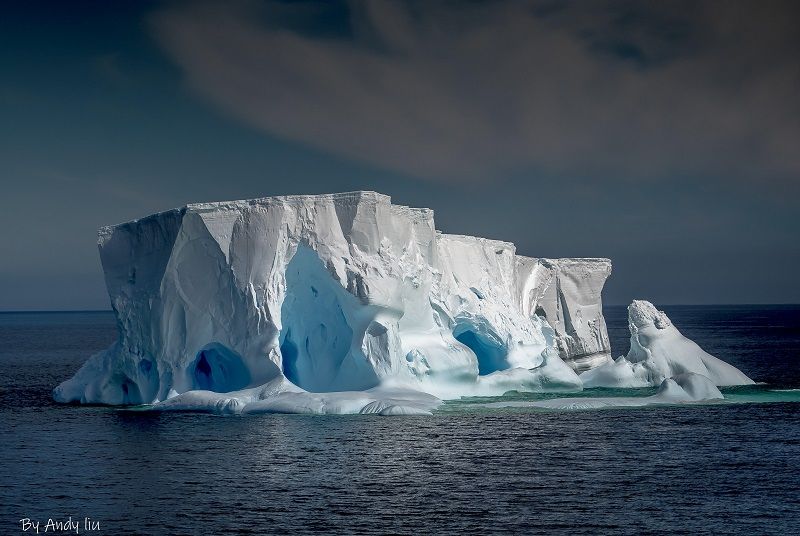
(681, 389)
(347, 303)
(659, 351)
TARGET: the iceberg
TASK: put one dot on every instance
(335, 303)
(659, 351)
(348, 303)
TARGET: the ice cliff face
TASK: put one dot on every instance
(566, 292)
(346, 303)
(332, 293)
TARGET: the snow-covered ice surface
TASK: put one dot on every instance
(346, 303)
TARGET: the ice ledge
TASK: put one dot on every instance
(356, 196)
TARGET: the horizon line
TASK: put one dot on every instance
(40, 311)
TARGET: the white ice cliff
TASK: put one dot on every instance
(566, 292)
(341, 303)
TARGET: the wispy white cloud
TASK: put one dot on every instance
(474, 91)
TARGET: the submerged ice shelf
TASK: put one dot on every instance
(347, 303)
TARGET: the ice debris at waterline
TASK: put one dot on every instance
(346, 303)
(682, 388)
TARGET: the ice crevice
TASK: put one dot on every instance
(347, 303)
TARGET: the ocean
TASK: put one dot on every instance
(724, 468)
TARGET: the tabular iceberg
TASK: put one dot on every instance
(339, 303)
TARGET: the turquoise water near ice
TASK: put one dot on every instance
(731, 467)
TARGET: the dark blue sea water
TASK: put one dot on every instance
(709, 469)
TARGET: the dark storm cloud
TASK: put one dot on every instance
(475, 90)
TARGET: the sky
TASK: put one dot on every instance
(663, 135)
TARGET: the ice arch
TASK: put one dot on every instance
(317, 335)
(220, 369)
(128, 389)
(485, 344)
